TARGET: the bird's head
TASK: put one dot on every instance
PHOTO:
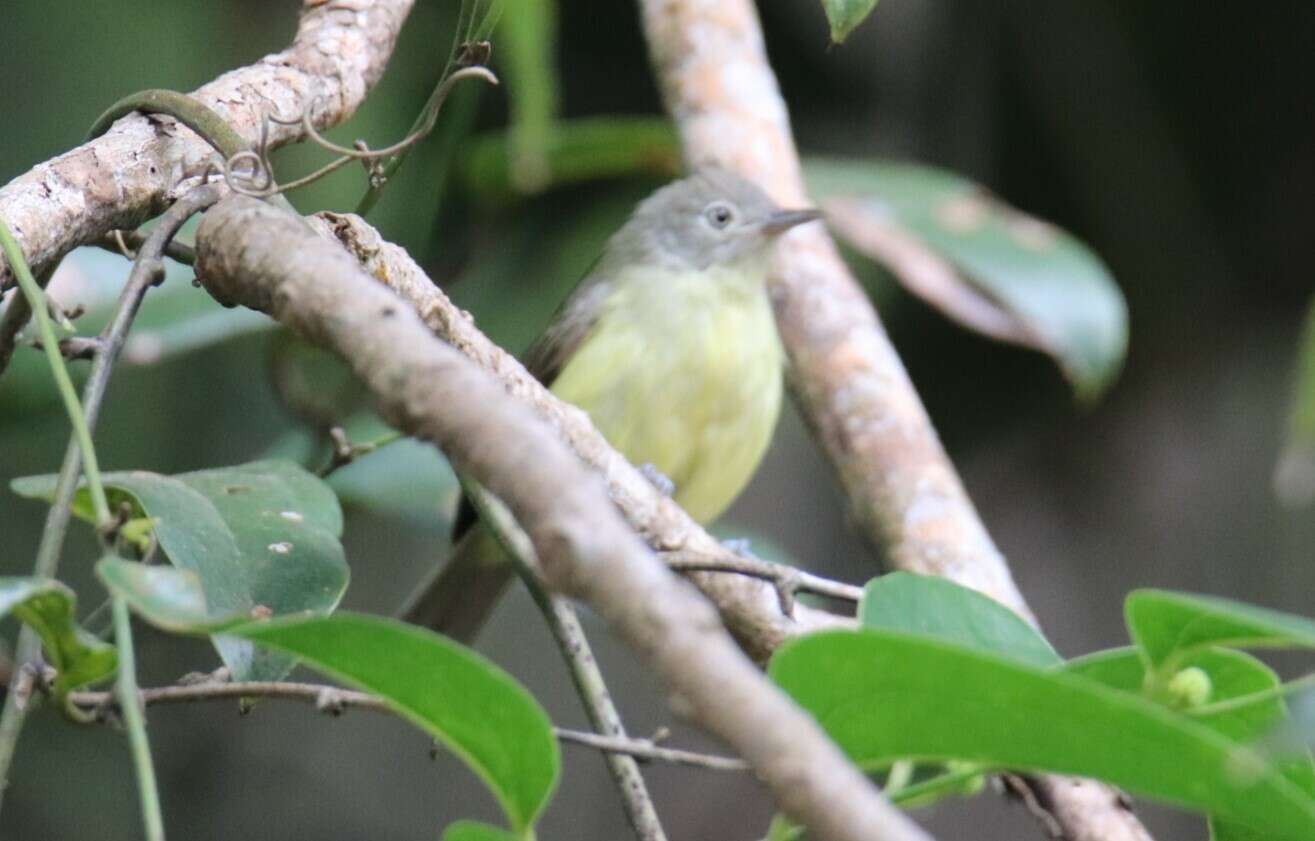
(713, 217)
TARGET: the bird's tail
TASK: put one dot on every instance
(457, 598)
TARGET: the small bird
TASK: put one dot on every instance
(669, 344)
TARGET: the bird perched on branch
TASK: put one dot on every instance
(670, 345)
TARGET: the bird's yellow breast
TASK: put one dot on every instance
(683, 371)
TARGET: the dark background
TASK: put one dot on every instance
(1177, 139)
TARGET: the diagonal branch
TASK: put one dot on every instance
(252, 254)
(712, 68)
(751, 609)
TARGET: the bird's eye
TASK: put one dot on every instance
(719, 215)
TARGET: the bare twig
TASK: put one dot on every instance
(588, 678)
(126, 244)
(333, 700)
(846, 375)
(787, 579)
(135, 723)
(255, 255)
(646, 749)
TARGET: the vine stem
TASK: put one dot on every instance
(146, 270)
(569, 634)
(130, 707)
(36, 300)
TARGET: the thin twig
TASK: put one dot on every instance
(145, 272)
(345, 452)
(646, 749)
(126, 243)
(588, 678)
(135, 723)
(786, 579)
(334, 700)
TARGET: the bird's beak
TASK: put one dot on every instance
(784, 220)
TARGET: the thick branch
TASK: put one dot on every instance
(143, 164)
(713, 72)
(252, 254)
(751, 609)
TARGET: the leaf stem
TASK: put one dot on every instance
(130, 707)
(1230, 704)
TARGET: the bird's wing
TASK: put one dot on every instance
(573, 321)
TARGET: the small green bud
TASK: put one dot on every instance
(1190, 688)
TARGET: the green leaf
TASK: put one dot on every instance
(934, 607)
(477, 710)
(884, 696)
(576, 151)
(1169, 626)
(454, 694)
(1294, 476)
(981, 262)
(845, 15)
(529, 36)
(260, 537)
(48, 608)
(476, 831)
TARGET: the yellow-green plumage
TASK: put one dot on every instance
(683, 371)
(670, 346)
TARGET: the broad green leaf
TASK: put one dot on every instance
(261, 537)
(845, 16)
(578, 150)
(884, 696)
(529, 37)
(1170, 625)
(449, 691)
(1294, 476)
(939, 609)
(476, 831)
(1007, 274)
(48, 608)
(477, 710)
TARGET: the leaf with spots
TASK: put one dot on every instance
(261, 537)
(983, 264)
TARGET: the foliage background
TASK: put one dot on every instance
(1176, 140)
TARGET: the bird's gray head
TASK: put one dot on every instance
(713, 217)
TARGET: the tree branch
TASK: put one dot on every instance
(251, 254)
(143, 164)
(712, 68)
(751, 609)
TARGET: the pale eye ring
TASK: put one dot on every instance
(719, 214)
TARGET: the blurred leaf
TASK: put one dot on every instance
(883, 696)
(1168, 626)
(260, 537)
(1294, 476)
(48, 608)
(575, 151)
(845, 15)
(475, 831)
(529, 37)
(982, 263)
(313, 383)
(407, 479)
(483, 715)
(933, 607)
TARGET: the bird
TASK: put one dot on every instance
(669, 344)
